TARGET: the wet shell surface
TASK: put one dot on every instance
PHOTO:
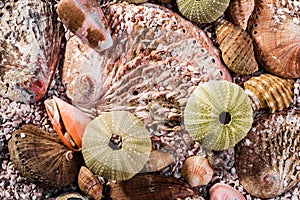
(237, 48)
(277, 38)
(269, 92)
(221, 191)
(197, 171)
(268, 159)
(30, 39)
(239, 12)
(218, 114)
(42, 158)
(203, 11)
(118, 161)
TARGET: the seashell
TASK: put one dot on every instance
(269, 92)
(237, 48)
(277, 38)
(197, 171)
(221, 191)
(32, 149)
(166, 1)
(218, 114)
(104, 156)
(267, 160)
(205, 11)
(152, 186)
(89, 184)
(71, 196)
(157, 161)
(30, 39)
(239, 12)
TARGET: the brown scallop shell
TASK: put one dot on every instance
(269, 92)
(239, 12)
(237, 48)
(222, 191)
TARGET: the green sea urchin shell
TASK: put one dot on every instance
(203, 11)
(218, 114)
(111, 162)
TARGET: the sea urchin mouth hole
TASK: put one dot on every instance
(115, 142)
(225, 118)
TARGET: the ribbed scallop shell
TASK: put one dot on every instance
(203, 11)
(107, 162)
(218, 114)
(277, 42)
(221, 191)
(239, 12)
(237, 48)
(42, 158)
(269, 92)
(268, 159)
(197, 171)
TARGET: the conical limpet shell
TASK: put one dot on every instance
(221, 191)
(239, 12)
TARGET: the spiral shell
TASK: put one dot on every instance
(269, 92)
(218, 114)
(237, 48)
(221, 191)
(239, 12)
(203, 11)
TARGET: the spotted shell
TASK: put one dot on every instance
(268, 159)
(276, 38)
(269, 92)
(204, 11)
(42, 158)
(237, 48)
(218, 114)
(222, 191)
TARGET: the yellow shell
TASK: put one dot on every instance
(237, 48)
(269, 92)
(239, 12)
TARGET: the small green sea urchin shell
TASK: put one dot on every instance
(203, 11)
(116, 145)
(218, 114)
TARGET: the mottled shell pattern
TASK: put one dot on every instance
(237, 48)
(203, 11)
(222, 191)
(269, 92)
(42, 158)
(268, 159)
(276, 36)
(218, 114)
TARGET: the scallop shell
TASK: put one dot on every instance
(269, 92)
(42, 158)
(197, 171)
(157, 161)
(268, 159)
(237, 48)
(221, 191)
(108, 161)
(276, 38)
(204, 11)
(218, 114)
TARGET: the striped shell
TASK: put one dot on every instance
(237, 48)
(106, 159)
(218, 114)
(239, 12)
(268, 159)
(203, 11)
(42, 158)
(221, 191)
(269, 92)
(276, 38)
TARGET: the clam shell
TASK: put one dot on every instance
(268, 159)
(239, 12)
(197, 171)
(204, 11)
(157, 161)
(218, 114)
(42, 158)
(221, 191)
(116, 163)
(237, 48)
(269, 92)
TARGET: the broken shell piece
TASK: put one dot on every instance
(221, 191)
(157, 161)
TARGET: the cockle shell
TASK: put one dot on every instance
(269, 92)
(277, 40)
(158, 160)
(30, 39)
(221, 191)
(237, 48)
(268, 159)
(203, 11)
(197, 171)
(218, 114)
(109, 161)
(42, 158)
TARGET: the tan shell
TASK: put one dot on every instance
(239, 12)
(157, 161)
(237, 48)
(197, 171)
(222, 191)
(70, 196)
(269, 92)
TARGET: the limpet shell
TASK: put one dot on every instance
(222, 191)
(239, 12)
